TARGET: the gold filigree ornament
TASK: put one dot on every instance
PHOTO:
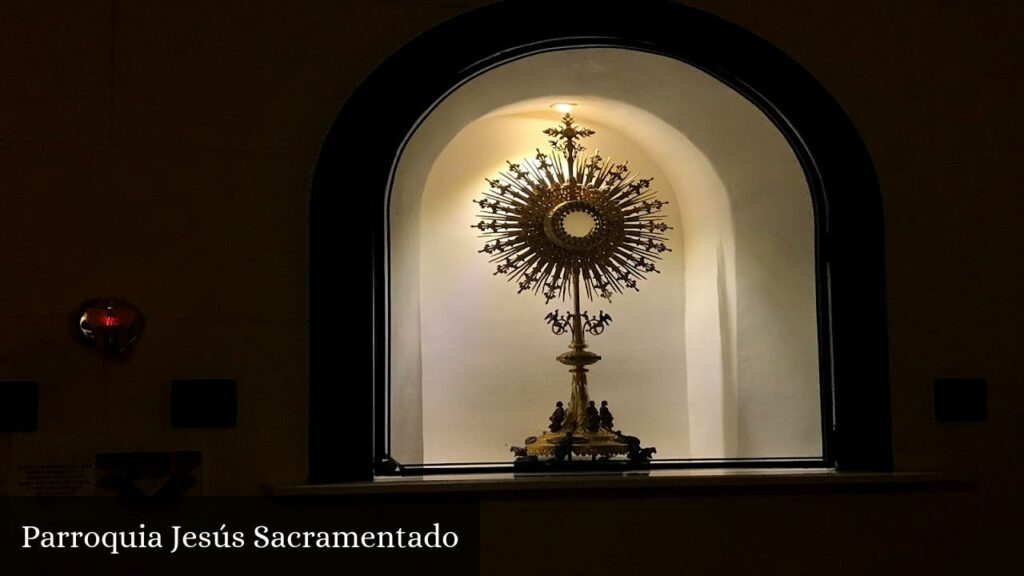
(559, 222)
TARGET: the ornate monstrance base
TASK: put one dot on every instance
(601, 444)
(601, 450)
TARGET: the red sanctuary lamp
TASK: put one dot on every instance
(112, 325)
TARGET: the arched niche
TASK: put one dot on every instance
(470, 373)
(360, 167)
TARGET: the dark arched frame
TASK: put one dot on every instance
(358, 158)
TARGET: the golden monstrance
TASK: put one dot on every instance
(559, 223)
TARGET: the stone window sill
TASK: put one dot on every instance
(655, 479)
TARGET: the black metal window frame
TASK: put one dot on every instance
(348, 386)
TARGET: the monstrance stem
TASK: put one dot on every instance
(577, 416)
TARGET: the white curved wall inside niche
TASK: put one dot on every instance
(715, 358)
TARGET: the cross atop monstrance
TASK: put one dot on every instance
(555, 224)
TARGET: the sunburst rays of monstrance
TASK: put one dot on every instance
(563, 226)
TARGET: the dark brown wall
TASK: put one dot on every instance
(163, 152)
